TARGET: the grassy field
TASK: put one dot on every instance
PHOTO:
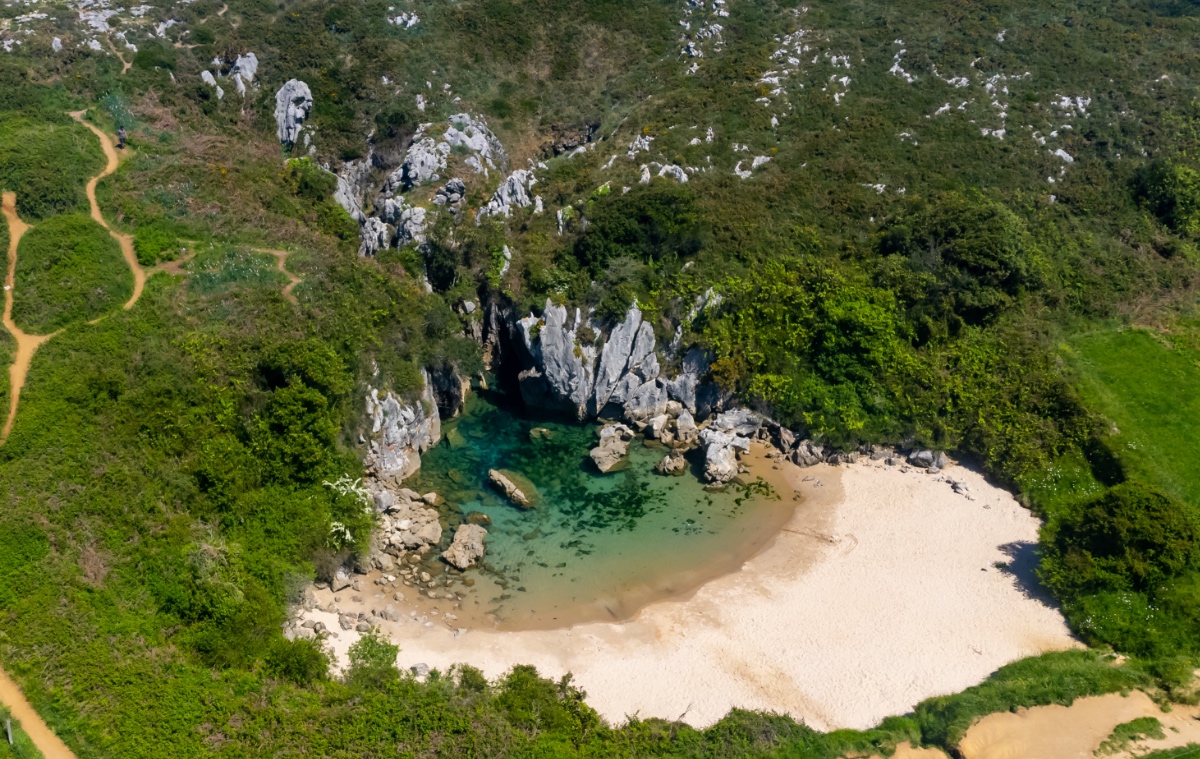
(1150, 389)
(69, 269)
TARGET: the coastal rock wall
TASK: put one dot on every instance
(565, 362)
(401, 432)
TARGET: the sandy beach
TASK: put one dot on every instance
(885, 588)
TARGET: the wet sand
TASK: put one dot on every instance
(882, 590)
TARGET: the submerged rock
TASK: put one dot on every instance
(467, 546)
(614, 445)
(510, 490)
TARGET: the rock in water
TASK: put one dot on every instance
(729, 432)
(614, 445)
(467, 546)
(510, 490)
(673, 463)
(293, 104)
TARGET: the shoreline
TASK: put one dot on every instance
(882, 589)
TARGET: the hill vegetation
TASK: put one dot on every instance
(988, 247)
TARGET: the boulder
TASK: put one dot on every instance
(723, 442)
(686, 431)
(646, 402)
(614, 445)
(479, 518)
(922, 458)
(340, 581)
(293, 104)
(808, 454)
(467, 546)
(510, 490)
(566, 366)
(673, 463)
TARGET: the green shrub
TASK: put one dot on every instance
(69, 269)
(649, 223)
(155, 56)
(333, 220)
(959, 258)
(1126, 566)
(372, 662)
(155, 242)
(1171, 191)
(299, 661)
(46, 164)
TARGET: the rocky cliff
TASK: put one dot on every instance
(401, 432)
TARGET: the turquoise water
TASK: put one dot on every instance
(594, 546)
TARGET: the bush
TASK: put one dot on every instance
(300, 661)
(68, 269)
(372, 662)
(649, 223)
(1172, 193)
(155, 56)
(46, 164)
(1126, 566)
(964, 259)
(155, 242)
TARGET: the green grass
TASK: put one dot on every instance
(1127, 732)
(1151, 392)
(8, 346)
(47, 163)
(220, 269)
(22, 747)
(69, 269)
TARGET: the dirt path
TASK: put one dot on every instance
(125, 65)
(42, 736)
(27, 345)
(124, 240)
(281, 267)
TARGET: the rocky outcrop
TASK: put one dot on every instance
(208, 78)
(427, 156)
(467, 546)
(561, 378)
(293, 104)
(560, 368)
(375, 236)
(728, 433)
(450, 389)
(514, 191)
(508, 488)
(243, 72)
(613, 447)
(401, 432)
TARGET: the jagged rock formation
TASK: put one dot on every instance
(560, 370)
(405, 523)
(673, 463)
(400, 433)
(728, 433)
(513, 191)
(614, 445)
(243, 72)
(293, 104)
(426, 157)
(467, 546)
(375, 236)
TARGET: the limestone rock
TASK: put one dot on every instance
(293, 104)
(400, 433)
(613, 447)
(729, 432)
(513, 191)
(467, 546)
(510, 490)
(376, 236)
(673, 463)
(427, 156)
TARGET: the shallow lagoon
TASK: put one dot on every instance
(594, 547)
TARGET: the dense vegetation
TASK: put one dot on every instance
(69, 269)
(888, 276)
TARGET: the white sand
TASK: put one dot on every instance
(881, 592)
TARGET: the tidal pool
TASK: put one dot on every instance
(593, 547)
